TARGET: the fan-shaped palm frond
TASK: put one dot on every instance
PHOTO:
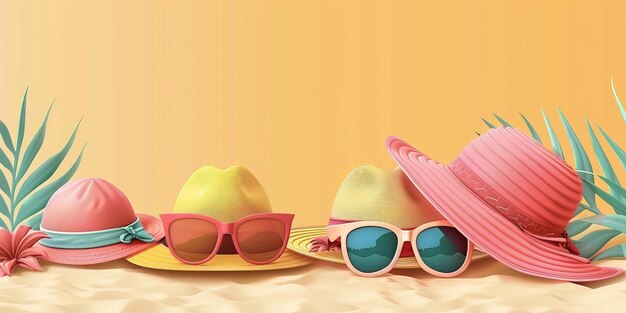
(614, 195)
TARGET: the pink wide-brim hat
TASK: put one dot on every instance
(108, 253)
(511, 197)
(93, 205)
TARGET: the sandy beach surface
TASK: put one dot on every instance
(119, 286)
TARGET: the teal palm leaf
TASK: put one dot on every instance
(35, 203)
(594, 241)
(621, 155)
(21, 126)
(488, 123)
(24, 201)
(603, 160)
(618, 251)
(6, 137)
(531, 129)
(581, 161)
(46, 170)
(502, 121)
(554, 140)
(33, 147)
(619, 103)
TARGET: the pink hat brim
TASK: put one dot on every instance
(108, 253)
(488, 229)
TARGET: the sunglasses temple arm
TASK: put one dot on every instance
(333, 233)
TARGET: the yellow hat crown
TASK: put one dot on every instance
(370, 193)
(226, 195)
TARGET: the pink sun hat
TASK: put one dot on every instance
(90, 221)
(511, 197)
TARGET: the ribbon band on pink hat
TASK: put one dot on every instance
(95, 239)
(529, 225)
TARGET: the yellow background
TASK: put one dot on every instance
(300, 92)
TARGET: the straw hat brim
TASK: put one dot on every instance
(159, 257)
(300, 242)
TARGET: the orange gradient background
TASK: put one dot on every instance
(300, 92)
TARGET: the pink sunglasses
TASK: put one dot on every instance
(196, 239)
(372, 248)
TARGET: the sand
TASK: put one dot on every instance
(119, 286)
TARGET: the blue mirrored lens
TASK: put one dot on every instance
(371, 248)
(442, 248)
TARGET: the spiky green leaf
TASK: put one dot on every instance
(581, 208)
(488, 123)
(618, 206)
(3, 224)
(4, 209)
(502, 121)
(4, 184)
(554, 140)
(576, 227)
(621, 155)
(4, 160)
(594, 241)
(620, 192)
(612, 252)
(6, 137)
(619, 103)
(45, 171)
(581, 160)
(614, 221)
(21, 126)
(604, 162)
(35, 221)
(532, 129)
(33, 147)
(39, 199)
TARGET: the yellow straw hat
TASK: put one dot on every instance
(369, 193)
(227, 196)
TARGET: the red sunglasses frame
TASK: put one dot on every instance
(226, 229)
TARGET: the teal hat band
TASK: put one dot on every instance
(95, 239)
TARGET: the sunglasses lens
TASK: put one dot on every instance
(261, 240)
(371, 248)
(442, 248)
(193, 240)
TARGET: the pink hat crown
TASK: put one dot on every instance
(511, 197)
(520, 179)
(88, 204)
